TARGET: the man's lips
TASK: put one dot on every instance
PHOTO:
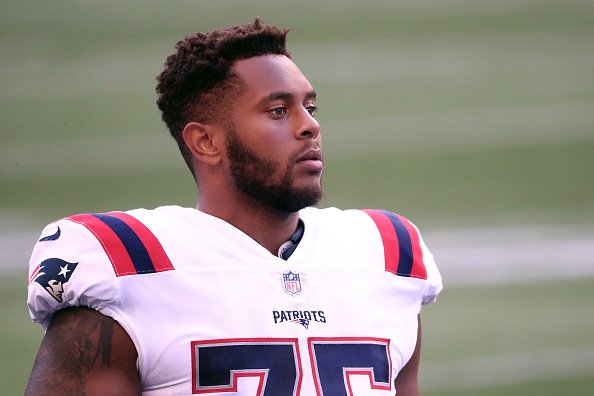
(312, 159)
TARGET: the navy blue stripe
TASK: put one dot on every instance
(405, 261)
(134, 246)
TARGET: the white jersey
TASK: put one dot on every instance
(211, 311)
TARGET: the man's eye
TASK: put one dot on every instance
(278, 111)
(312, 110)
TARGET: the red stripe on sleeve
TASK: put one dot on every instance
(34, 273)
(154, 248)
(418, 266)
(389, 239)
(112, 245)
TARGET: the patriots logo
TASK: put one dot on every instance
(303, 322)
(52, 274)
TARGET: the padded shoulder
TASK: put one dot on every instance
(79, 259)
(405, 252)
(402, 249)
(131, 247)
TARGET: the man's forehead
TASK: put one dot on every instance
(273, 75)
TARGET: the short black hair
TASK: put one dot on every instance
(197, 79)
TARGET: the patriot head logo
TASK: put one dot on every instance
(52, 274)
(302, 322)
(291, 282)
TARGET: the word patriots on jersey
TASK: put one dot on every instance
(300, 317)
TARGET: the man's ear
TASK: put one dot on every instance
(204, 141)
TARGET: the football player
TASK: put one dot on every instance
(254, 291)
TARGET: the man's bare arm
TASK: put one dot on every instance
(407, 382)
(84, 353)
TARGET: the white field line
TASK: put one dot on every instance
(464, 256)
(508, 369)
(415, 8)
(89, 156)
(557, 58)
(425, 133)
(541, 56)
(514, 254)
(500, 127)
(15, 250)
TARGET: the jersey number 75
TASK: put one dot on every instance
(218, 364)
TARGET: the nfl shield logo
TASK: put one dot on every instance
(291, 282)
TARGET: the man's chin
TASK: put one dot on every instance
(306, 197)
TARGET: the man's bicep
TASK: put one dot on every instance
(407, 381)
(83, 353)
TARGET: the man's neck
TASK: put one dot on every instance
(269, 227)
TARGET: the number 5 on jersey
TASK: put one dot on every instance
(218, 364)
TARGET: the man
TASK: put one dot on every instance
(249, 293)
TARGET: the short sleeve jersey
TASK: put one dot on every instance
(211, 311)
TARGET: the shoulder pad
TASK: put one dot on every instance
(402, 247)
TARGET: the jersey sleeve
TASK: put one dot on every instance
(69, 267)
(434, 283)
(405, 252)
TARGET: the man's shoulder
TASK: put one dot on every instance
(106, 238)
(338, 224)
(328, 213)
(333, 214)
(118, 219)
(78, 259)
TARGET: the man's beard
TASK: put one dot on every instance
(254, 176)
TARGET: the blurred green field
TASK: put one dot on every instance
(451, 112)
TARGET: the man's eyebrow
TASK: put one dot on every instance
(283, 95)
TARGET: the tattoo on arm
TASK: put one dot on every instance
(105, 339)
(78, 341)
